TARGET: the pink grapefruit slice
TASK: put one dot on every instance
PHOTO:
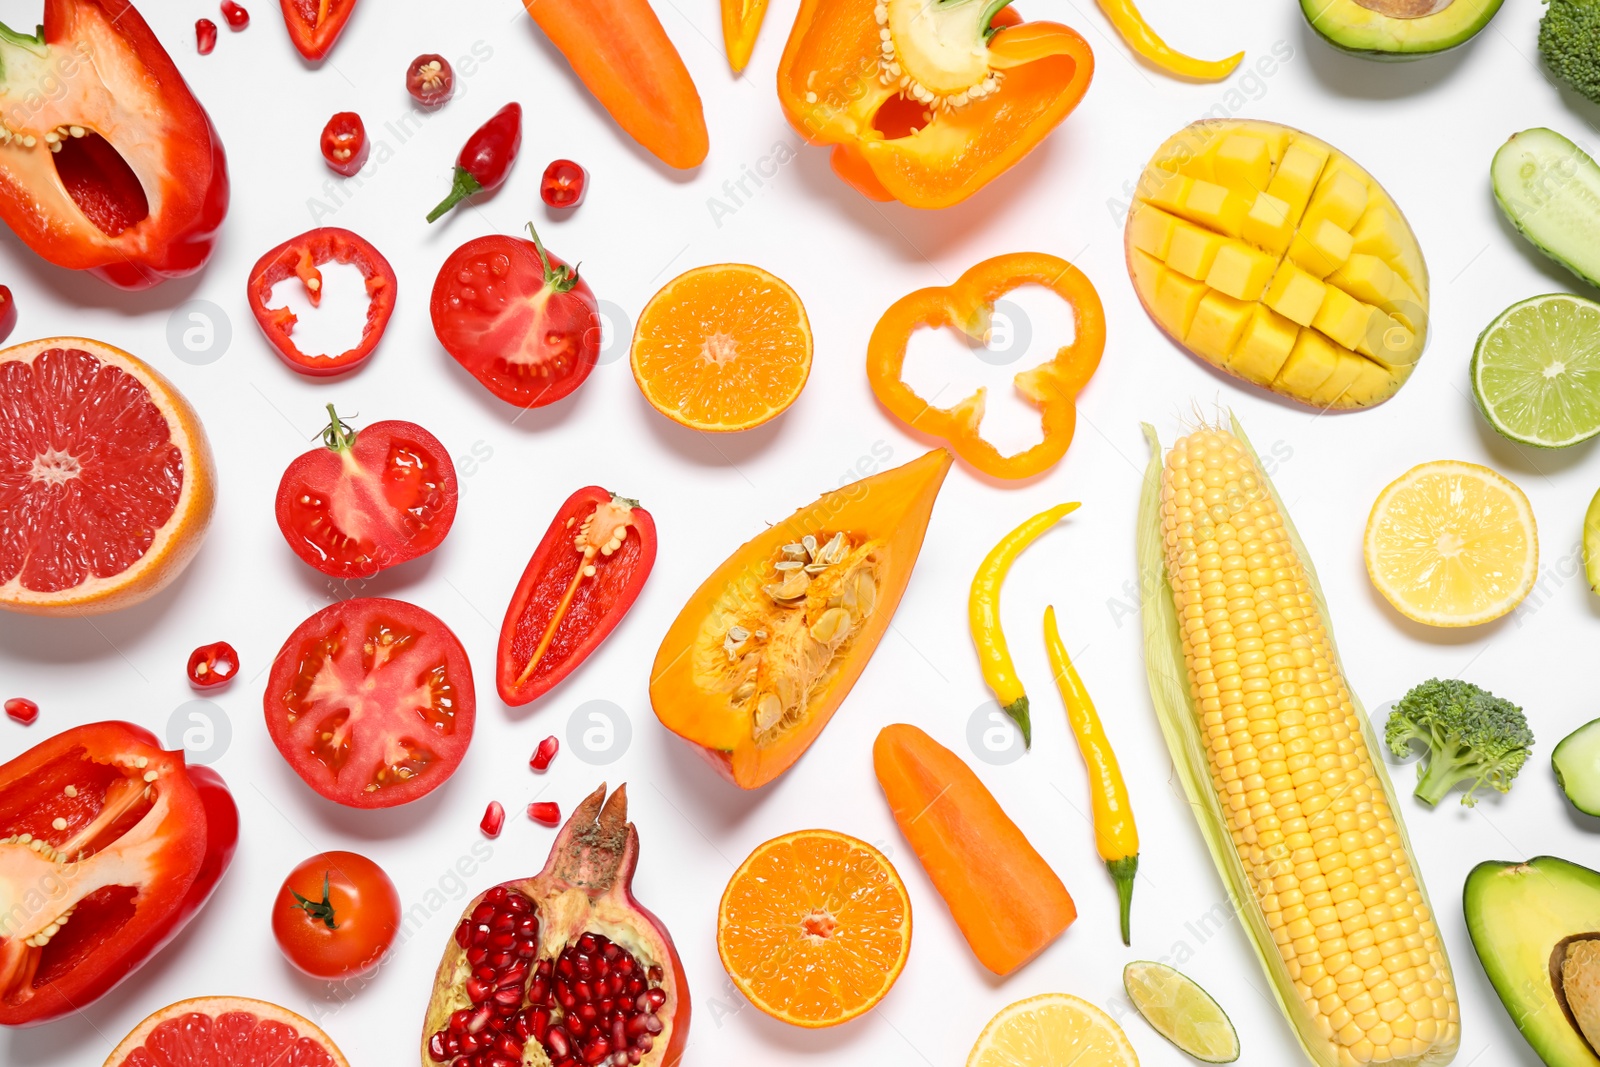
(226, 1032)
(106, 478)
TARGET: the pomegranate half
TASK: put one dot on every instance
(564, 969)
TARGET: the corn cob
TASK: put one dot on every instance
(1277, 756)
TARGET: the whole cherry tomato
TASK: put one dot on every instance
(368, 500)
(518, 318)
(486, 158)
(430, 80)
(213, 666)
(336, 915)
(563, 184)
(344, 143)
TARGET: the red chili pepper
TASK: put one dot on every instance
(494, 817)
(238, 18)
(563, 184)
(8, 313)
(301, 256)
(547, 812)
(486, 158)
(545, 753)
(430, 80)
(344, 143)
(314, 25)
(584, 576)
(205, 36)
(115, 168)
(132, 873)
(213, 666)
(22, 710)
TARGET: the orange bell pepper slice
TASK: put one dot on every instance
(741, 23)
(1052, 386)
(927, 101)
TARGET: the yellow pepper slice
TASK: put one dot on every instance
(1142, 39)
(1116, 837)
(983, 616)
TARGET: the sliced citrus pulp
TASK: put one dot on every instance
(1179, 1010)
(1452, 544)
(722, 348)
(226, 1032)
(105, 478)
(1536, 371)
(814, 928)
(1052, 1030)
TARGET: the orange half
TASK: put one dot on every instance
(722, 348)
(814, 928)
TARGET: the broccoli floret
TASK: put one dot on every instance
(1569, 40)
(1470, 735)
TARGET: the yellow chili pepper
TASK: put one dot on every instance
(1142, 39)
(983, 616)
(1116, 837)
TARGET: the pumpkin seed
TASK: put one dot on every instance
(769, 709)
(831, 626)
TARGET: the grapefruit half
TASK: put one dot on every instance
(226, 1032)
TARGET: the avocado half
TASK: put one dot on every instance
(1398, 29)
(1536, 929)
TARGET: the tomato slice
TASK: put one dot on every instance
(369, 500)
(301, 256)
(371, 702)
(314, 25)
(584, 576)
(518, 318)
(108, 847)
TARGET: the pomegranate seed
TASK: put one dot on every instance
(205, 36)
(563, 184)
(556, 1041)
(545, 753)
(238, 18)
(547, 812)
(22, 710)
(494, 817)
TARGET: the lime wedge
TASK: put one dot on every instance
(1536, 371)
(1180, 1011)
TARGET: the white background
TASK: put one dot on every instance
(1426, 130)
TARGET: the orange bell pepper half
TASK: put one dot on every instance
(927, 101)
(968, 305)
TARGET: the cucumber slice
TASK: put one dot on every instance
(1576, 762)
(1550, 190)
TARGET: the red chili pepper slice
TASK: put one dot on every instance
(301, 256)
(344, 143)
(140, 841)
(205, 36)
(485, 159)
(22, 710)
(314, 25)
(238, 18)
(430, 79)
(213, 666)
(563, 184)
(584, 576)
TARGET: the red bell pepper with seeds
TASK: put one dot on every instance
(119, 170)
(108, 847)
(314, 25)
(584, 576)
(301, 256)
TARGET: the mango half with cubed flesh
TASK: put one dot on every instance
(1273, 257)
(767, 648)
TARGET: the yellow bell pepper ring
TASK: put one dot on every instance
(983, 616)
(1143, 40)
(967, 305)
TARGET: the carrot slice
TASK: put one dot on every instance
(1005, 898)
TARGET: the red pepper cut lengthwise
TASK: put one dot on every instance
(574, 591)
(302, 256)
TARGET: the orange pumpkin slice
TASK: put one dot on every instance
(767, 648)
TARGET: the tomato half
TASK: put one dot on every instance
(301, 256)
(108, 847)
(518, 318)
(369, 500)
(314, 25)
(336, 915)
(371, 702)
(584, 576)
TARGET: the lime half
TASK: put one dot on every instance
(1536, 371)
(1181, 1011)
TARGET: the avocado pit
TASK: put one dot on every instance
(1406, 9)
(1575, 974)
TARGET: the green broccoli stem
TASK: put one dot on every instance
(1446, 767)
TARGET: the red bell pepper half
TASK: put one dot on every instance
(108, 847)
(107, 161)
(314, 25)
(301, 256)
(584, 576)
